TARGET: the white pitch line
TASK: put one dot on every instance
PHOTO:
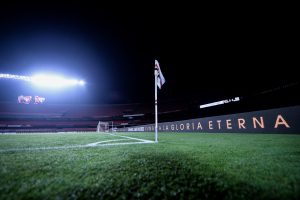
(124, 143)
(42, 148)
(143, 140)
(74, 146)
(96, 143)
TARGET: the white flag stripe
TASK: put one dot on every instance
(160, 77)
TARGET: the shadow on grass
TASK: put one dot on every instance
(163, 176)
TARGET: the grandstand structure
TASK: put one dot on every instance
(73, 117)
(48, 117)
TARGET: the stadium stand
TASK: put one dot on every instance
(61, 117)
(16, 117)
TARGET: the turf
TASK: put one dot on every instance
(180, 166)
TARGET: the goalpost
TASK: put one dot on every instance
(109, 128)
(102, 127)
(105, 127)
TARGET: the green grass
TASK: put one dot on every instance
(180, 166)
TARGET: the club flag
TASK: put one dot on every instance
(38, 100)
(160, 78)
(24, 99)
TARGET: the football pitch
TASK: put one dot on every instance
(132, 166)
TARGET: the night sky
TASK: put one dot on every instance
(206, 53)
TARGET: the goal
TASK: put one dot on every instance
(103, 127)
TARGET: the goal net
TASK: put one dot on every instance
(103, 127)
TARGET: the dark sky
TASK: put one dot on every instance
(206, 53)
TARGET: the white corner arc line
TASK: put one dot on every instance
(91, 145)
(105, 141)
(143, 140)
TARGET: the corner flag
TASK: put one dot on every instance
(159, 81)
(160, 78)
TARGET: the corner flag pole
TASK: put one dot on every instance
(155, 86)
(159, 81)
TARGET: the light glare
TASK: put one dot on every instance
(46, 80)
(81, 82)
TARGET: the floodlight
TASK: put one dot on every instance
(46, 80)
(54, 81)
(81, 82)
